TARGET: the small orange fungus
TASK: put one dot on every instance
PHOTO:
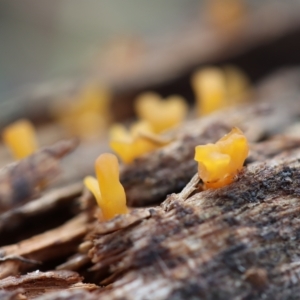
(130, 144)
(20, 137)
(219, 163)
(161, 114)
(210, 87)
(216, 88)
(85, 115)
(107, 189)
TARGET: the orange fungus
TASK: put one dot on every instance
(107, 189)
(20, 137)
(219, 163)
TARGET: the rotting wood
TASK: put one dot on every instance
(38, 283)
(50, 245)
(21, 180)
(17, 217)
(236, 242)
(82, 259)
(151, 177)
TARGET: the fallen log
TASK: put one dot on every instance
(236, 242)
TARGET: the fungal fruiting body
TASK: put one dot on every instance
(219, 163)
(85, 115)
(20, 137)
(210, 87)
(130, 144)
(162, 114)
(156, 115)
(216, 88)
(107, 189)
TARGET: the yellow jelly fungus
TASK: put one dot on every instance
(20, 137)
(219, 163)
(210, 87)
(161, 114)
(216, 88)
(107, 189)
(130, 144)
(87, 114)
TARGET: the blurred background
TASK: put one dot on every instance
(48, 48)
(42, 40)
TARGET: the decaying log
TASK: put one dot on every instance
(272, 147)
(53, 244)
(38, 283)
(15, 218)
(236, 242)
(151, 177)
(21, 180)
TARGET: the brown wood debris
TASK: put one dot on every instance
(236, 242)
(13, 219)
(53, 244)
(21, 180)
(38, 283)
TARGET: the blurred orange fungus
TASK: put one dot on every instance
(107, 189)
(216, 88)
(219, 163)
(87, 114)
(161, 114)
(130, 144)
(20, 138)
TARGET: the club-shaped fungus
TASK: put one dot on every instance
(162, 114)
(107, 189)
(219, 163)
(20, 138)
(130, 144)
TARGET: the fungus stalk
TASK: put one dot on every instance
(107, 189)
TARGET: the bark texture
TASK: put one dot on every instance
(237, 242)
